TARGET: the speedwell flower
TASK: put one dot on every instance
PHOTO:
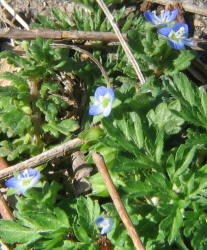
(103, 98)
(177, 35)
(25, 180)
(165, 17)
(105, 223)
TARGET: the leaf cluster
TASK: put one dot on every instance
(42, 223)
(30, 107)
(162, 183)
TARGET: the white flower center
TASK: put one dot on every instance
(177, 36)
(26, 181)
(104, 100)
(162, 18)
(25, 178)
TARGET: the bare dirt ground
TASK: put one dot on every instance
(29, 9)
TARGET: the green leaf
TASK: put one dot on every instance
(138, 188)
(164, 119)
(126, 164)
(170, 166)
(43, 221)
(64, 19)
(12, 232)
(88, 211)
(116, 133)
(191, 100)
(172, 224)
(4, 151)
(98, 186)
(182, 62)
(45, 22)
(14, 59)
(186, 162)
(68, 125)
(159, 146)
(15, 122)
(203, 97)
(138, 132)
(92, 134)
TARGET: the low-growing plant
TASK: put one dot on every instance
(152, 138)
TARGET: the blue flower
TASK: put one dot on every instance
(177, 35)
(103, 98)
(105, 223)
(25, 180)
(164, 18)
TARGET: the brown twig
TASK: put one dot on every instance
(42, 158)
(199, 44)
(117, 201)
(201, 10)
(124, 44)
(4, 209)
(81, 170)
(60, 35)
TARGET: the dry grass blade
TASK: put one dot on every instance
(14, 14)
(125, 46)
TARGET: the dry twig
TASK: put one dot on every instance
(81, 170)
(14, 14)
(42, 158)
(4, 209)
(60, 34)
(117, 201)
(122, 41)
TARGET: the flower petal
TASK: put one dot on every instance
(188, 42)
(177, 26)
(164, 18)
(111, 95)
(12, 182)
(95, 109)
(35, 175)
(30, 175)
(176, 45)
(16, 183)
(151, 17)
(165, 31)
(171, 16)
(104, 98)
(105, 223)
(107, 111)
(98, 221)
(100, 91)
